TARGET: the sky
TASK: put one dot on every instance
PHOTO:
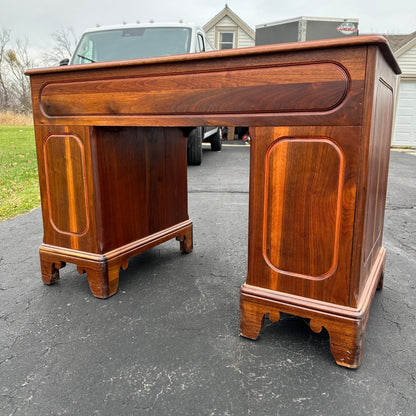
(37, 20)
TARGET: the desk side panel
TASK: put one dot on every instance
(141, 182)
(377, 133)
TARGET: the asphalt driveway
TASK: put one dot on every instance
(167, 343)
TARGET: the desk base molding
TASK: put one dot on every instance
(345, 325)
(103, 269)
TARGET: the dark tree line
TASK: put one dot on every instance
(15, 59)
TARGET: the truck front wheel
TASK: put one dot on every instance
(195, 146)
(216, 141)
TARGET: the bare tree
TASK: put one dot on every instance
(65, 42)
(4, 93)
(18, 61)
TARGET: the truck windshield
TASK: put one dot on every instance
(132, 43)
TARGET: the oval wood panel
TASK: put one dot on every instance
(66, 184)
(316, 87)
(304, 180)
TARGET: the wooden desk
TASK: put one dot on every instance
(111, 151)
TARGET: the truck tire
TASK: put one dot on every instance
(195, 146)
(216, 141)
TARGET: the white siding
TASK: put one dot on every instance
(407, 62)
(211, 37)
(226, 21)
(244, 40)
(405, 126)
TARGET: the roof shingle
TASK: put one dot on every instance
(398, 41)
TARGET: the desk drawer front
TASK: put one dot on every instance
(316, 87)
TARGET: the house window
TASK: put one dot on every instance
(226, 40)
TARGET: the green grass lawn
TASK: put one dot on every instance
(19, 186)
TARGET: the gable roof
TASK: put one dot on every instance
(226, 11)
(400, 43)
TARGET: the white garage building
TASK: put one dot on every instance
(404, 49)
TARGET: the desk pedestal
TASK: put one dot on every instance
(317, 198)
(108, 194)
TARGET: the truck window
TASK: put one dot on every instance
(132, 43)
(201, 44)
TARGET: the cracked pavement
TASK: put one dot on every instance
(167, 343)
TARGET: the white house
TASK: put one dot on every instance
(404, 49)
(226, 30)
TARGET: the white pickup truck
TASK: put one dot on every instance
(113, 43)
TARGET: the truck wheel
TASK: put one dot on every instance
(195, 146)
(216, 141)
